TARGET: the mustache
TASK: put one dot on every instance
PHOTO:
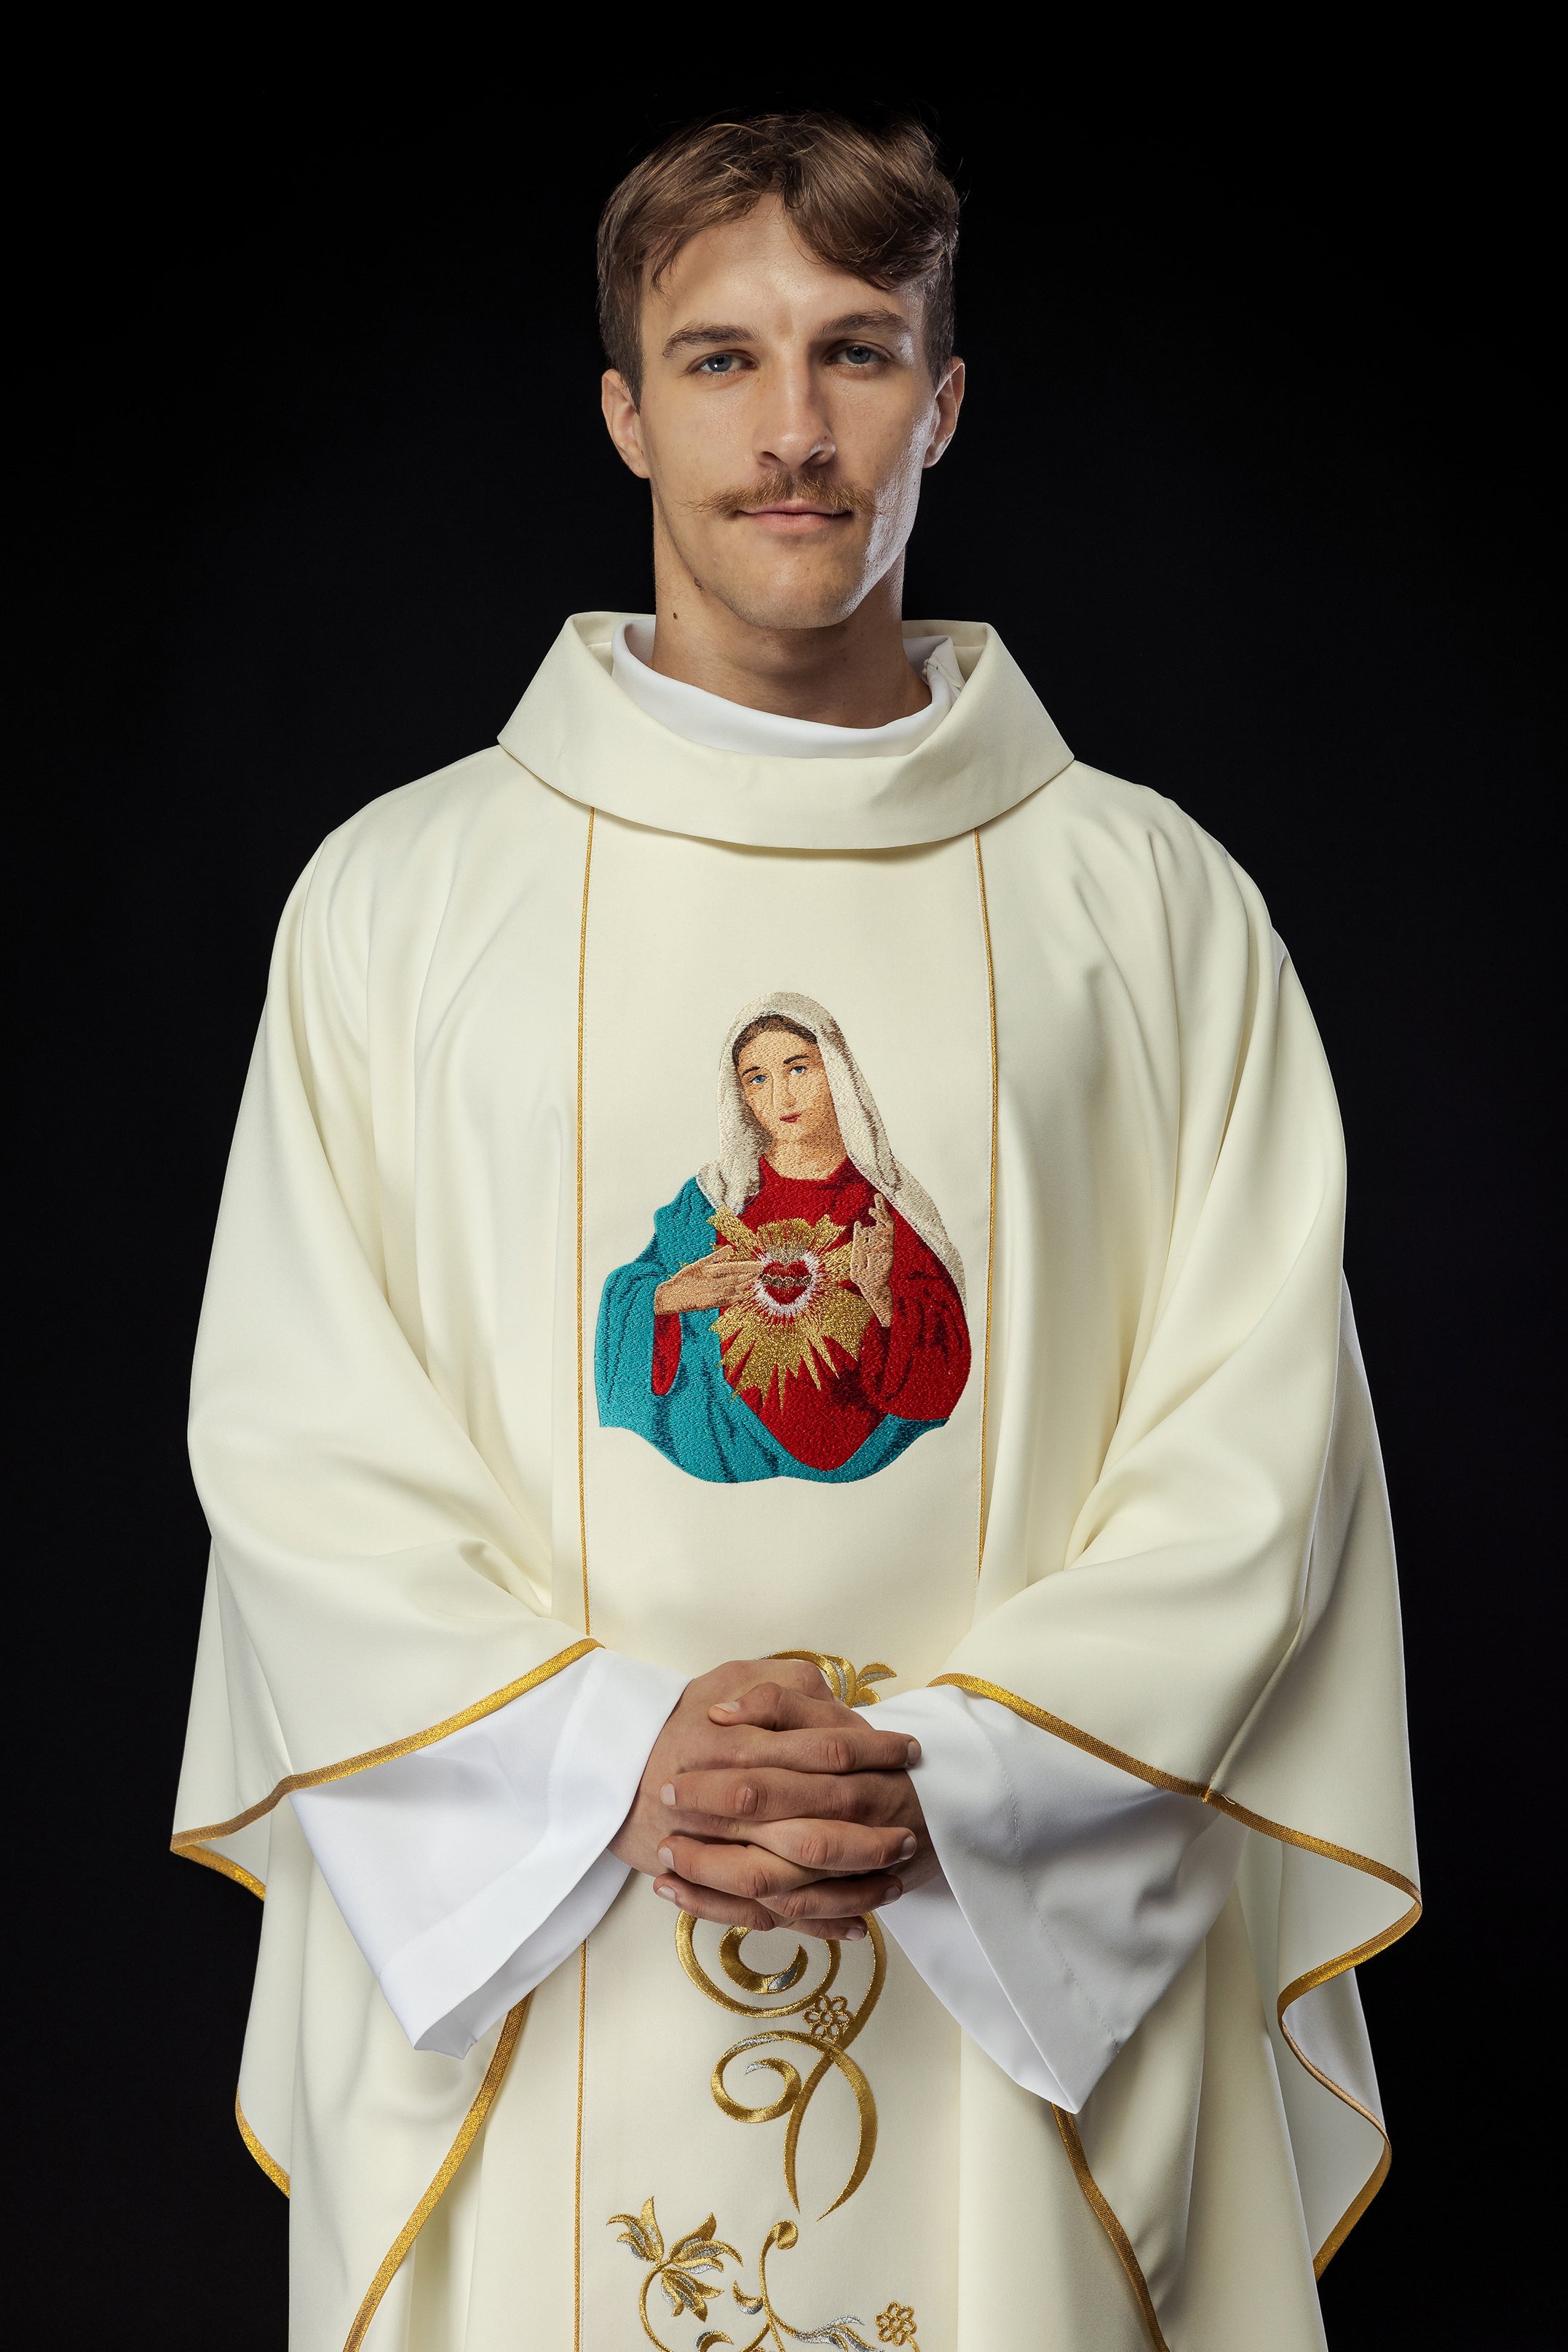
(778, 488)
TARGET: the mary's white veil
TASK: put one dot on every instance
(732, 1179)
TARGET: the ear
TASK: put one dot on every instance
(622, 421)
(948, 401)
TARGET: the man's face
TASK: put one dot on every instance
(786, 416)
(785, 1087)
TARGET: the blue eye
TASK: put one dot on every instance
(718, 364)
(859, 354)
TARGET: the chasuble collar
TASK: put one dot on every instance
(577, 731)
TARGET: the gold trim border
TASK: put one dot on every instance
(269, 2165)
(991, 1211)
(221, 1862)
(398, 2250)
(1293, 1992)
(1112, 2226)
(187, 1841)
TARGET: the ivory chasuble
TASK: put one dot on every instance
(1101, 1476)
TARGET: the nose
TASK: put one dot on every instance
(793, 430)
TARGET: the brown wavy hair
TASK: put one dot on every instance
(873, 202)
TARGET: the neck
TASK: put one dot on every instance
(851, 673)
(812, 1161)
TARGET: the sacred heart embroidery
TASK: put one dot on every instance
(799, 1312)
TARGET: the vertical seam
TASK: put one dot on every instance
(991, 1210)
(582, 994)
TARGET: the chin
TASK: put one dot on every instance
(791, 602)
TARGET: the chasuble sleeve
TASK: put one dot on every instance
(377, 1581)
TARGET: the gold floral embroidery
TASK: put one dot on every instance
(799, 1301)
(833, 2025)
(681, 2273)
(827, 2019)
(897, 2325)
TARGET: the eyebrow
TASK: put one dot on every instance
(683, 336)
(880, 321)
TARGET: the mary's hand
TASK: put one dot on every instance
(871, 1260)
(722, 1279)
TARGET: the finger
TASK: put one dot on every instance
(725, 1911)
(770, 1706)
(731, 1803)
(750, 1872)
(806, 1904)
(827, 1849)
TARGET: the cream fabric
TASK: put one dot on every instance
(1162, 1467)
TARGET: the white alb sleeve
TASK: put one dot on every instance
(470, 1869)
(1072, 1893)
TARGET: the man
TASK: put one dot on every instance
(622, 1978)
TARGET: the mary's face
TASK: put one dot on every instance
(785, 1086)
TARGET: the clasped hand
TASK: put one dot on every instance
(766, 1803)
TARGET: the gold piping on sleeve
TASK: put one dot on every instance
(211, 1861)
(494, 2072)
(188, 1840)
(577, 2188)
(1112, 2226)
(269, 2166)
(581, 1004)
(1320, 1975)
(991, 1213)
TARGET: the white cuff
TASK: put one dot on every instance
(1074, 1892)
(468, 1870)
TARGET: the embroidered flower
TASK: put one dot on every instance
(828, 2020)
(897, 2324)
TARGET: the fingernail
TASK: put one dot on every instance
(668, 1891)
(907, 1848)
(726, 1707)
(855, 1933)
(914, 1754)
(895, 1888)
(666, 1859)
(667, 1794)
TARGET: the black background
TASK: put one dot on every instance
(1251, 479)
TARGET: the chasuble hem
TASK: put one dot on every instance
(1299, 1987)
(194, 1842)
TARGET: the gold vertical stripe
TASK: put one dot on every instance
(399, 2252)
(1112, 2226)
(991, 1213)
(582, 999)
(269, 2165)
(577, 2188)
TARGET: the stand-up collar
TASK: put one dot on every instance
(576, 730)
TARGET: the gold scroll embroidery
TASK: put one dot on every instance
(831, 2023)
(850, 1684)
(683, 2274)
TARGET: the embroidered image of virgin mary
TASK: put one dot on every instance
(799, 1311)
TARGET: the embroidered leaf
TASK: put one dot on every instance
(685, 2293)
(709, 2337)
(642, 2236)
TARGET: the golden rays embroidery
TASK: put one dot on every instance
(690, 2275)
(799, 1301)
(831, 2022)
